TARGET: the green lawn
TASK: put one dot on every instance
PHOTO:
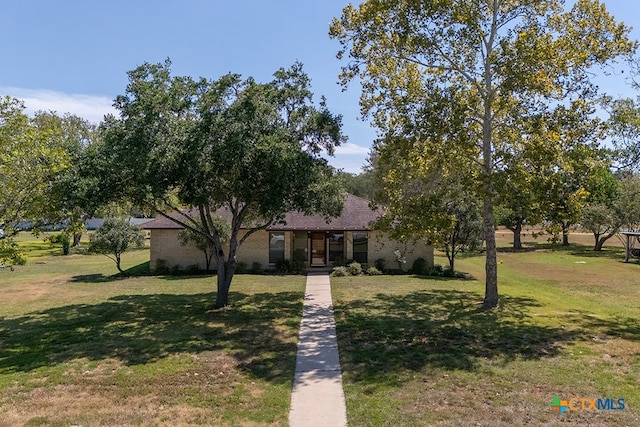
(419, 351)
(81, 346)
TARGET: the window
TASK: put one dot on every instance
(336, 247)
(276, 247)
(360, 247)
(300, 242)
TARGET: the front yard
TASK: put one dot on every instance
(81, 346)
(418, 351)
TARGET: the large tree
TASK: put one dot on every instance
(31, 157)
(230, 147)
(69, 189)
(492, 61)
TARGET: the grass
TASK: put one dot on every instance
(80, 345)
(419, 351)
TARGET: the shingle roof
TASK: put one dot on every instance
(356, 215)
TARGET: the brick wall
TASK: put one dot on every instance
(381, 246)
(165, 245)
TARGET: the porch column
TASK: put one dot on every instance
(288, 245)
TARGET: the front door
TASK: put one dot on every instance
(318, 250)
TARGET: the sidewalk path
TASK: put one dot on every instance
(317, 399)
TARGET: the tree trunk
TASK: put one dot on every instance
(565, 235)
(118, 264)
(76, 239)
(598, 245)
(225, 273)
(491, 262)
(517, 238)
(449, 250)
(224, 283)
(601, 239)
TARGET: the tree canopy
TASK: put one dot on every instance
(454, 78)
(251, 149)
(32, 156)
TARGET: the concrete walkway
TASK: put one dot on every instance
(317, 399)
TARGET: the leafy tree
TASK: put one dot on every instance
(114, 237)
(604, 218)
(581, 176)
(465, 232)
(30, 159)
(624, 123)
(475, 69)
(203, 244)
(601, 214)
(10, 253)
(361, 185)
(246, 149)
(601, 220)
(434, 206)
(69, 189)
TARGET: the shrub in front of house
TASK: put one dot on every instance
(297, 267)
(241, 267)
(283, 266)
(256, 268)
(420, 267)
(162, 267)
(355, 268)
(373, 271)
(339, 271)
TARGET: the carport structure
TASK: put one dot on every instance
(631, 238)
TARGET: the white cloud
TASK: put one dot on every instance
(351, 148)
(90, 107)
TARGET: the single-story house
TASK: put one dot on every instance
(307, 238)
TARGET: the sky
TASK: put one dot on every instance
(72, 56)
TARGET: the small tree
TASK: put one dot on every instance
(465, 231)
(10, 253)
(602, 221)
(114, 237)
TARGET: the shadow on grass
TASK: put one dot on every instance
(627, 328)
(258, 330)
(388, 334)
(137, 270)
(466, 277)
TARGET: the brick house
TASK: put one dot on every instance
(308, 238)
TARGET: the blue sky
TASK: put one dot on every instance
(73, 55)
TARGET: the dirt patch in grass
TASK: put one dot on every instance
(203, 389)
